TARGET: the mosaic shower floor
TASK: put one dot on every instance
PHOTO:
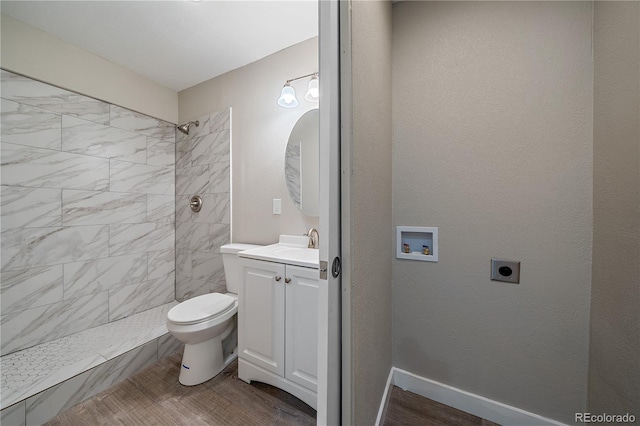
(29, 371)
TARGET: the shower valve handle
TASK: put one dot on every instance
(195, 203)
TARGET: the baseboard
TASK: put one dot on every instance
(465, 401)
(382, 411)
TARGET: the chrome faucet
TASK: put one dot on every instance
(314, 238)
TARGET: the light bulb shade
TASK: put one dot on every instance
(313, 91)
(288, 97)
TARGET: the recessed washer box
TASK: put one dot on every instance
(417, 238)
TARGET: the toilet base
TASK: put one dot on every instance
(203, 361)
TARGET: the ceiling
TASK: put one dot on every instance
(175, 43)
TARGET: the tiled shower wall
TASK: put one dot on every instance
(203, 168)
(87, 212)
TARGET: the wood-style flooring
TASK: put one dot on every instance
(155, 397)
(407, 408)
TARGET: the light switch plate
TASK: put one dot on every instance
(505, 270)
(277, 206)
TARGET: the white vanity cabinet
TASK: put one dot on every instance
(301, 326)
(278, 327)
(261, 306)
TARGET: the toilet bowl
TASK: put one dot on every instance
(206, 324)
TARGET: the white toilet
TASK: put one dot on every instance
(207, 324)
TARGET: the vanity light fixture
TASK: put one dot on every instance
(288, 95)
(313, 91)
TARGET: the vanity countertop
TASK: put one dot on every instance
(291, 250)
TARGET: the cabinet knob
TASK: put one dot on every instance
(278, 278)
(287, 280)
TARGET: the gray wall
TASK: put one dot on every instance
(492, 140)
(87, 212)
(369, 216)
(260, 131)
(203, 168)
(614, 369)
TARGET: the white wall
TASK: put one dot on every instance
(614, 376)
(259, 134)
(36, 54)
(492, 139)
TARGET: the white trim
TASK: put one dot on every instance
(386, 396)
(468, 402)
(329, 371)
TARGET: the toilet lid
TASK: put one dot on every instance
(200, 308)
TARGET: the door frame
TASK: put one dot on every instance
(329, 305)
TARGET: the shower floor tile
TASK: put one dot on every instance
(32, 370)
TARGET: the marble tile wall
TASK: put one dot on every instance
(87, 211)
(203, 168)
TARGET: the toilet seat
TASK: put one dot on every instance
(201, 308)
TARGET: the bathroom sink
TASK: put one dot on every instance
(299, 254)
(291, 249)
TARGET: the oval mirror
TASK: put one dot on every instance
(302, 164)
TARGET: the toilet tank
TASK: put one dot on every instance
(232, 271)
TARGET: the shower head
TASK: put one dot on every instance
(184, 128)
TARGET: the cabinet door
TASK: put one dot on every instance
(261, 314)
(302, 326)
